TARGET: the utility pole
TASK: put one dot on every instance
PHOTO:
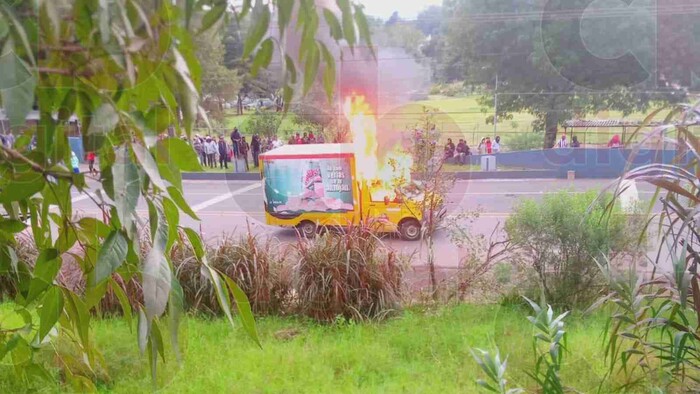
(495, 106)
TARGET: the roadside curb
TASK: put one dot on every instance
(467, 175)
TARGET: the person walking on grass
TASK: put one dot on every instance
(223, 153)
(243, 149)
(255, 149)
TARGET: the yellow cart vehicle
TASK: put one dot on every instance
(316, 185)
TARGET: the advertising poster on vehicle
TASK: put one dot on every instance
(293, 186)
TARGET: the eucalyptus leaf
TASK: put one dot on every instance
(125, 177)
(111, 255)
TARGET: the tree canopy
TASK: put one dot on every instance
(564, 60)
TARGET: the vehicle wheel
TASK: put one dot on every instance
(307, 229)
(410, 230)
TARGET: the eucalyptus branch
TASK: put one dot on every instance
(36, 167)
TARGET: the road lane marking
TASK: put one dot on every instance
(224, 197)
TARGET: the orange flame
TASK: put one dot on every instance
(381, 176)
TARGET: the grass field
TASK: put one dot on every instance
(421, 351)
(463, 117)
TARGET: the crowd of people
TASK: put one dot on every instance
(459, 153)
(306, 138)
(219, 151)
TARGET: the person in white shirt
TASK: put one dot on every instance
(212, 148)
(276, 143)
(496, 147)
(563, 143)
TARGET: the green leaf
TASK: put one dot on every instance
(123, 300)
(362, 25)
(328, 72)
(22, 186)
(148, 164)
(348, 23)
(244, 311)
(196, 242)
(17, 84)
(156, 282)
(11, 226)
(169, 225)
(262, 57)
(259, 26)
(142, 331)
(152, 218)
(180, 202)
(94, 226)
(178, 152)
(245, 9)
(52, 306)
(111, 255)
(47, 266)
(156, 273)
(212, 16)
(311, 67)
(104, 120)
(284, 15)
(126, 186)
(333, 24)
(287, 95)
(290, 69)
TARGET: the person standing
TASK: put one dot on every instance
(223, 153)
(74, 162)
(255, 149)
(482, 146)
(562, 143)
(489, 146)
(276, 142)
(243, 149)
(91, 163)
(199, 149)
(496, 147)
(211, 148)
(299, 140)
(320, 139)
(235, 141)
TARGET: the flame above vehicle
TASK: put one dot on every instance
(381, 175)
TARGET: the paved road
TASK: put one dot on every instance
(229, 207)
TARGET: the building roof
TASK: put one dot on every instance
(310, 150)
(601, 123)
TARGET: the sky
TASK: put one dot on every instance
(408, 9)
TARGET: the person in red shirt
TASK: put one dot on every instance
(488, 146)
(299, 140)
(91, 162)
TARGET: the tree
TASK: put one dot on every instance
(429, 20)
(554, 65)
(219, 84)
(128, 71)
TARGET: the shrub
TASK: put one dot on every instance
(524, 141)
(560, 237)
(349, 274)
(258, 267)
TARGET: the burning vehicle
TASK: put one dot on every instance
(336, 185)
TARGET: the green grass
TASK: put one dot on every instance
(418, 351)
